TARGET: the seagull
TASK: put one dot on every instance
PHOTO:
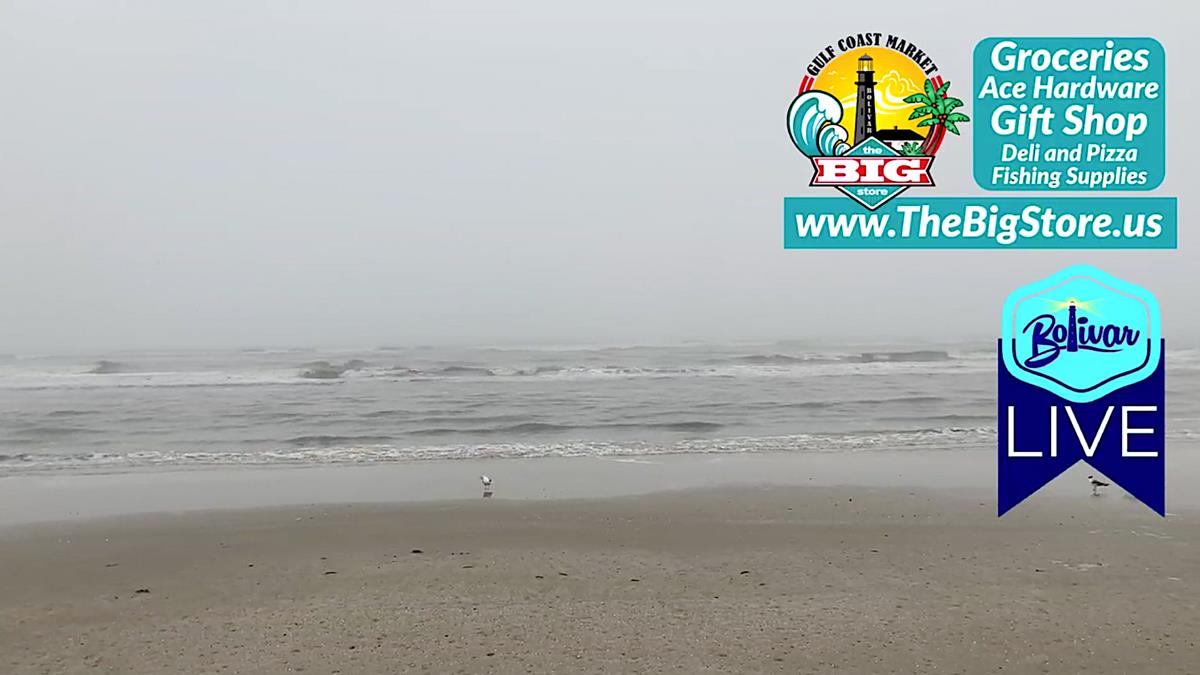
(487, 485)
(1096, 484)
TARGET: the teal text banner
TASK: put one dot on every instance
(1069, 113)
(982, 223)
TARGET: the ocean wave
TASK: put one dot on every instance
(629, 372)
(111, 368)
(113, 374)
(563, 372)
(917, 356)
(32, 432)
(913, 356)
(324, 370)
(844, 402)
(331, 451)
(333, 439)
(944, 419)
(174, 380)
(464, 370)
(786, 359)
(744, 365)
(337, 450)
(548, 427)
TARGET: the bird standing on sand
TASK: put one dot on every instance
(487, 485)
(1096, 484)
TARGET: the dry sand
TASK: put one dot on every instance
(779, 579)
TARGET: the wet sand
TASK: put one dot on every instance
(54, 496)
(733, 579)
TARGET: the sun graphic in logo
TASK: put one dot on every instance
(873, 92)
(896, 77)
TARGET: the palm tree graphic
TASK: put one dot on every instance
(938, 108)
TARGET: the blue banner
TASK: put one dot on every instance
(1042, 435)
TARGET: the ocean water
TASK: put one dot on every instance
(121, 412)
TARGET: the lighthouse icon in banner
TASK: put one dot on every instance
(1081, 377)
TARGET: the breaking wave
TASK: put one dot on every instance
(813, 124)
(114, 374)
(546, 427)
(917, 356)
(339, 450)
(110, 368)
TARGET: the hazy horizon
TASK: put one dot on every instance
(233, 175)
(798, 344)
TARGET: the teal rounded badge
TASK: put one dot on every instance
(1081, 333)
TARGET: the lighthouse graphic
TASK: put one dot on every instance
(1072, 337)
(864, 116)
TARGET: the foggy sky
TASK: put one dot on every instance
(366, 173)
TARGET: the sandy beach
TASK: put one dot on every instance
(734, 579)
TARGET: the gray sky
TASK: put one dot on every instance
(363, 173)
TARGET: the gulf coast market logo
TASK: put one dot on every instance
(1081, 378)
(871, 113)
